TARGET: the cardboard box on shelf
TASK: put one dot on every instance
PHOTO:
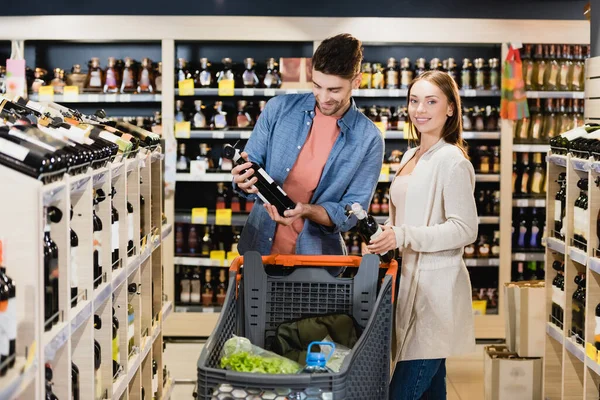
(525, 317)
(510, 377)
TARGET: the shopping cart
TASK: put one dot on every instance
(256, 303)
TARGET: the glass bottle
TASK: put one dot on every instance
(495, 250)
(551, 75)
(192, 240)
(528, 68)
(183, 162)
(182, 71)
(185, 288)
(550, 121)
(577, 70)
(535, 237)
(421, 66)
(207, 289)
(146, 77)
(435, 64)
(467, 119)
(128, 82)
(466, 75)
(243, 119)
(40, 79)
(58, 83)
(536, 126)
(199, 120)
(479, 122)
(115, 343)
(206, 242)
(391, 74)
(522, 229)
(494, 65)
(566, 69)
(484, 160)
(95, 77)
(113, 78)
(483, 247)
(179, 114)
(203, 78)
(540, 56)
(525, 174)
(479, 73)
(221, 288)
(496, 159)
(537, 181)
(272, 79)
(378, 78)
(195, 286)
(130, 230)
(492, 119)
(132, 290)
(367, 76)
(470, 251)
(451, 69)
(406, 73)
(249, 77)
(158, 78)
(564, 119)
(515, 176)
(219, 118)
(77, 78)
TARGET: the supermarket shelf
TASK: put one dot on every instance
(556, 245)
(487, 177)
(78, 183)
(529, 256)
(466, 135)
(248, 92)
(207, 177)
(575, 349)
(557, 159)
(119, 386)
(99, 177)
(166, 311)
(594, 264)
(531, 148)
(489, 220)
(580, 164)
(236, 219)
(103, 292)
(199, 262)
(117, 169)
(226, 134)
(538, 203)
(168, 390)
(482, 262)
(554, 332)
(17, 378)
(593, 365)
(554, 95)
(81, 313)
(355, 93)
(197, 309)
(102, 98)
(577, 255)
(55, 339)
(596, 167)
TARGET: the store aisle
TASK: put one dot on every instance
(465, 373)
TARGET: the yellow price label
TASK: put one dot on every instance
(591, 351)
(183, 129)
(223, 217)
(218, 256)
(46, 93)
(31, 355)
(199, 215)
(409, 134)
(232, 255)
(382, 127)
(479, 307)
(226, 87)
(384, 175)
(186, 87)
(71, 94)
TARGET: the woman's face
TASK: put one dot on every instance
(428, 108)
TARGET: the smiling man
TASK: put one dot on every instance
(322, 149)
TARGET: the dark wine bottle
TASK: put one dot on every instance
(130, 230)
(97, 242)
(114, 229)
(11, 310)
(115, 344)
(369, 229)
(74, 267)
(268, 190)
(75, 392)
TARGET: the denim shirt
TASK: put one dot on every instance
(350, 174)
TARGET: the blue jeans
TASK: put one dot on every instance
(419, 379)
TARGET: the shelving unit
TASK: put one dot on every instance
(71, 340)
(572, 370)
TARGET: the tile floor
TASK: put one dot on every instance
(464, 374)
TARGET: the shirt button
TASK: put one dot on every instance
(299, 147)
(270, 239)
(287, 169)
(308, 123)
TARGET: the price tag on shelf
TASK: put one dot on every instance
(245, 134)
(248, 92)
(370, 93)
(46, 93)
(223, 217)
(218, 257)
(269, 92)
(94, 98)
(522, 203)
(232, 255)
(182, 130)
(199, 215)
(591, 352)
(226, 87)
(71, 94)
(520, 256)
(540, 203)
(208, 310)
(218, 135)
(470, 93)
(110, 98)
(291, 91)
(125, 98)
(394, 93)
(186, 87)
(384, 176)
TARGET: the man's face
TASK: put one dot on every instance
(333, 92)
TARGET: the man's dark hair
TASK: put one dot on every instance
(339, 55)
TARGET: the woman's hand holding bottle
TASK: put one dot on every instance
(383, 243)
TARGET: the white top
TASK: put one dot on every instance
(434, 316)
(398, 197)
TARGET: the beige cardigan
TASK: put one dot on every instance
(434, 317)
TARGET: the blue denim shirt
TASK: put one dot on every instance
(350, 174)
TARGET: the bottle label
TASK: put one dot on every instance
(469, 250)
(13, 150)
(115, 235)
(577, 71)
(195, 294)
(115, 348)
(4, 345)
(465, 79)
(127, 78)
(185, 291)
(220, 121)
(265, 175)
(145, 80)
(378, 80)
(536, 185)
(108, 136)
(111, 81)
(130, 226)
(181, 164)
(528, 74)
(555, 294)
(524, 183)
(199, 120)
(564, 74)
(392, 79)
(534, 236)
(366, 80)
(205, 78)
(74, 268)
(484, 251)
(553, 75)
(130, 327)
(541, 73)
(494, 79)
(98, 245)
(95, 80)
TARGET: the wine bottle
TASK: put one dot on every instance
(11, 311)
(195, 287)
(74, 267)
(369, 229)
(132, 290)
(556, 313)
(97, 371)
(97, 242)
(268, 190)
(130, 230)
(185, 289)
(578, 311)
(51, 271)
(114, 230)
(221, 288)
(115, 344)
(4, 342)
(74, 382)
(207, 289)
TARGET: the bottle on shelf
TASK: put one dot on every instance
(581, 216)
(480, 81)
(113, 77)
(557, 312)
(132, 290)
(539, 69)
(391, 74)
(192, 240)
(97, 239)
(207, 289)
(198, 120)
(495, 249)
(378, 77)
(114, 218)
(146, 77)
(466, 75)
(130, 230)
(207, 242)
(249, 77)
(183, 162)
(128, 82)
(551, 76)
(185, 286)
(566, 68)
(158, 78)
(51, 271)
(75, 385)
(494, 65)
(367, 76)
(528, 67)
(243, 119)
(219, 117)
(369, 229)
(76, 78)
(97, 370)
(406, 73)
(221, 288)
(226, 73)
(520, 272)
(58, 83)
(525, 174)
(537, 178)
(483, 247)
(182, 71)
(40, 79)
(203, 77)
(95, 76)
(522, 229)
(195, 286)
(535, 232)
(577, 72)
(74, 258)
(578, 310)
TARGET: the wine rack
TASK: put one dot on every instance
(71, 340)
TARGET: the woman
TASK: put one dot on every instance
(432, 217)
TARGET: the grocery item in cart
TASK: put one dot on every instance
(242, 356)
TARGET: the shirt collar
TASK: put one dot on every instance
(348, 119)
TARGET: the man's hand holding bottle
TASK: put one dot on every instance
(242, 179)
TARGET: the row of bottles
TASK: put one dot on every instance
(209, 159)
(380, 204)
(485, 159)
(200, 286)
(248, 76)
(483, 247)
(558, 294)
(527, 271)
(219, 116)
(119, 76)
(488, 202)
(150, 123)
(476, 74)
(199, 241)
(8, 319)
(582, 142)
(578, 310)
(528, 229)
(529, 178)
(557, 116)
(551, 67)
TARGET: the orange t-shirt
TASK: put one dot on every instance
(305, 175)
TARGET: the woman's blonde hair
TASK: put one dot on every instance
(452, 130)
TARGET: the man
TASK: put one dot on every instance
(326, 153)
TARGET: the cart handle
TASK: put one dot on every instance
(315, 261)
